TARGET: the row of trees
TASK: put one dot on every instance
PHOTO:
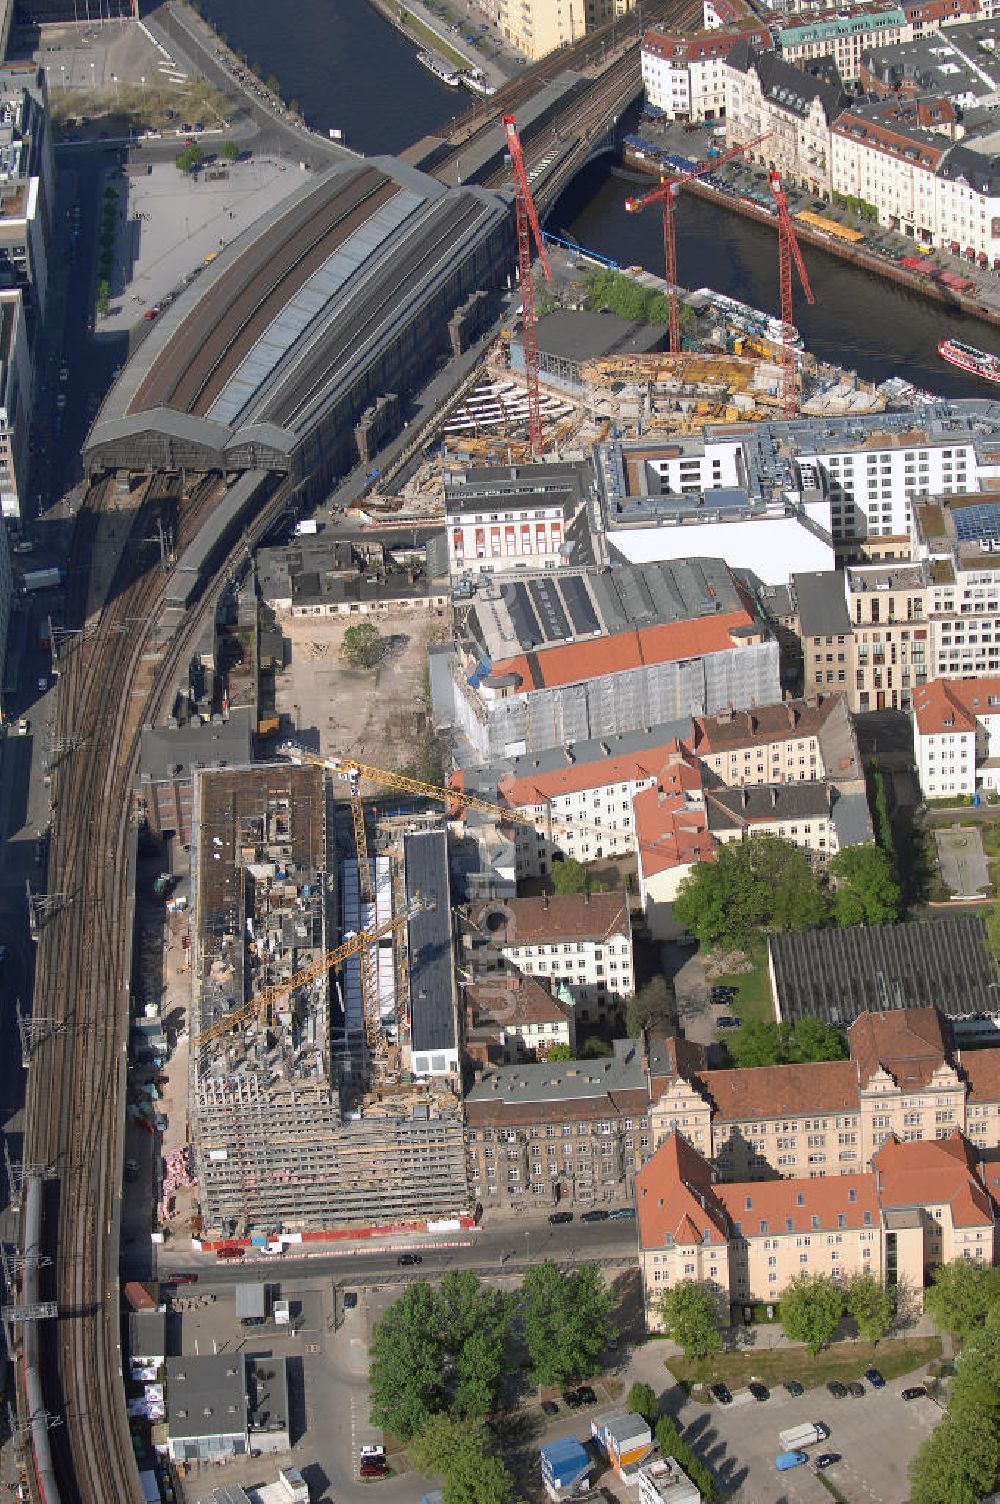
(959, 1461)
(438, 1356)
(767, 884)
(642, 1401)
(812, 1307)
(606, 289)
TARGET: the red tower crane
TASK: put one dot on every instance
(527, 226)
(666, 194)
(788, 251)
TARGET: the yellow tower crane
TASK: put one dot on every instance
(260, 1006)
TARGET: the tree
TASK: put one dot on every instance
(960, 1296)
(363, 646)
(190, 159)
(565, 1321)
(760, 884)
(957, 1464)
(650, 1008)
(462, 1453)
(406, 1383)
(474, 1324)
(595, 1048)
(691, 1318)
(871, 1306)
(569, 876)
(757, 1042)
(811, 1308)
(671, 1444)
(559, 1052)
(879, 802)
(642, 1401)
(230, 151)
(866, 888)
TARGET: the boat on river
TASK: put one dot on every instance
(442, 70)
(969, 358)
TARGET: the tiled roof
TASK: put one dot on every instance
(807, 1205)
(910, 1043)
(933, 1172)
(576, 662)
(697, 46)
(790, 720)
(537, 788)
(981, 1069)
(770, 1091)
(953, 704)
(512, 1001)
(676, 1198)
(937, 709)
(671, 827)
(483, 1113)
(513, 922)
(766, 803)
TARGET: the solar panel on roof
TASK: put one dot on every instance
(578, 604)
(972, 523)
(551, 609)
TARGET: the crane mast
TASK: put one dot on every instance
(788, 251)
(527, 227)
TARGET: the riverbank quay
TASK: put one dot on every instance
(729, 193)
(447, 34)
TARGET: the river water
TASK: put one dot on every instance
(350, 69)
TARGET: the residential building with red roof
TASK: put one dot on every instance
(956, 736)
(515, 1017)
(682, 72)
(919, 1205)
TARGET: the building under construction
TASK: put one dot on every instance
(284, 1140)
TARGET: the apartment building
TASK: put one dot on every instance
(958, 541)
(16, 391)
(510, 1018)
(903, 1077)
(956, 736)
(683, 73)
(767, 96)
(921, 1204)
(826, 635)
(27, 186)
(578, 944)
(571, 1133)
(519, 517)
(538, 27)
(844, 37)
(6, 606)
(888, 606)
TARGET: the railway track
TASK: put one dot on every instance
(75, 1102)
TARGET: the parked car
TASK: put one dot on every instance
(549, 1407)
(874, 1378)
(350, 1300)
(722, 1394)
(181, 1277)
(793, 1387)
(571, 1399)
(759, 1391)
(373, 1470)
(622, 1214)
(373, 1451)
(727, 1021)
(856, 1389)
(837, 1389)
(406, 1259)
(557, 1217)
(594, 1217)
(915, 1392)
(723, 994)
(786, 1460)
(826, 1459)
(586, 1395)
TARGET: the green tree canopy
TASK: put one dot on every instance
(960, 1296)
(642, 1401)
(691, 1318)
(565, 1321)
(439, 1352)
(957, 1464)
(651, 1007)
(462, 1453)
(559, 1052)
(230, 151)
(671, 1444)
(363, 646)
(569, 876)
(871, 1306)
(757, 1042)
(866, 888)
(190, 159)
(811, 1308)
(760, 884)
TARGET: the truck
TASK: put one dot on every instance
(806, 1435)
(42, 579)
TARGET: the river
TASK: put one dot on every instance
(350, 69)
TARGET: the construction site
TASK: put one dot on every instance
(305, 1115)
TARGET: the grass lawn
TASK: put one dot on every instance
(753, 998)
(845, 1360)
(434, 43)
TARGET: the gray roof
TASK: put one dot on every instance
(565, 1081)
(485, 780)
(268, 1386)
(822, 607)
(731, 809)
(212, 1383)
(432, 976)
(838, 974)
(852, 820)
(172, 751)
(251, 1299)
(576, 334)
(540, 485)
(792, 88)
(147, 1334)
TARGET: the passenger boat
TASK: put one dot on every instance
(968, 358)
(476, 82)
(439, 68)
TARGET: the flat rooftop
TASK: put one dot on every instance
(433, 1012)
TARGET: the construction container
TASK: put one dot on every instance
(565, 1466)
(624, 1439)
